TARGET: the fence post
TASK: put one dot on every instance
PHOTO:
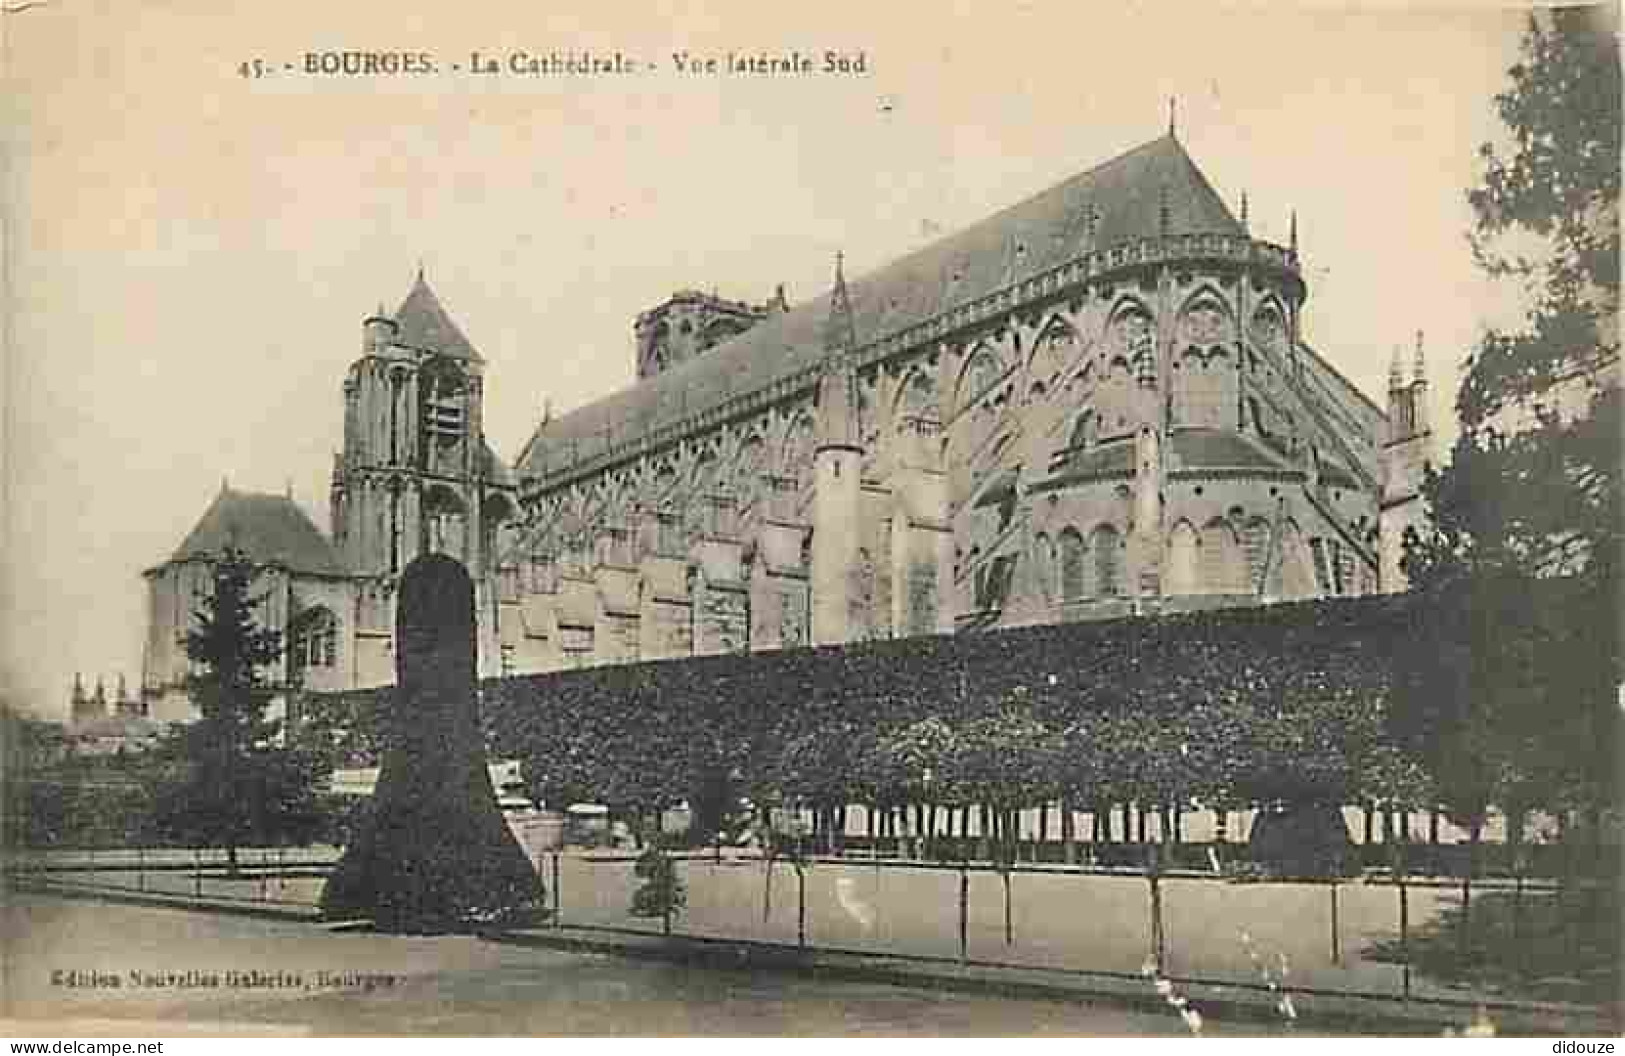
(964, 912)
(1153, 869)
(801, 906)
(556, 889)
(1404, 922)
(1337, 950)
(1519, 868)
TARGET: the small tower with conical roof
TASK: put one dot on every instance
(1406, 451)
(837, 476)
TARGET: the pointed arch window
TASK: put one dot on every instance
(1044, 568)
(444, 414)
(1073, 564)
(1223, 564)
(315, 639)
(1108, 562)
(445, 522)
(1182, 559)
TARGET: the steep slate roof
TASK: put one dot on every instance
(269, 528)
(422, 323)
(1200, 447)
(1125, 196)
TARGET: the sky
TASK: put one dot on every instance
(190, 252)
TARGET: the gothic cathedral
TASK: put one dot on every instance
(1097, 403)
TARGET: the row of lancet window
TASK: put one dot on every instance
(1078, 568)
(1216, 559)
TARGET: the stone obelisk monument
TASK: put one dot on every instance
(435, 855)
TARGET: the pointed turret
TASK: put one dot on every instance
(840, 332)
(837, 472)
(1403, 463)
(1419, 390)
(1292, 238)
(837, 405)
(1244, 225)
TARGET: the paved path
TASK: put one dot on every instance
(456, 985)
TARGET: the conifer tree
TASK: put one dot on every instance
(229, 783)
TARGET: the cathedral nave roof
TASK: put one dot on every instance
(1117, 202)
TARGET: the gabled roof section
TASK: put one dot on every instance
(271, 529)
(1203, 447)
(422, 323)
(1118, 202)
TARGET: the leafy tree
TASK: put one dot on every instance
(1512, 687)
(226, 782)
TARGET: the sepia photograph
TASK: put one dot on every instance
(830, 520)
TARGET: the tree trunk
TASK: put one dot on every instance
(1069, 832)
(1433, 827)
(1370, 823)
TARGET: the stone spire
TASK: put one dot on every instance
(1293, 236)
(840, 332)
(837, 411)
(1244, 210)
(1420, 418)
(1396, 372)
